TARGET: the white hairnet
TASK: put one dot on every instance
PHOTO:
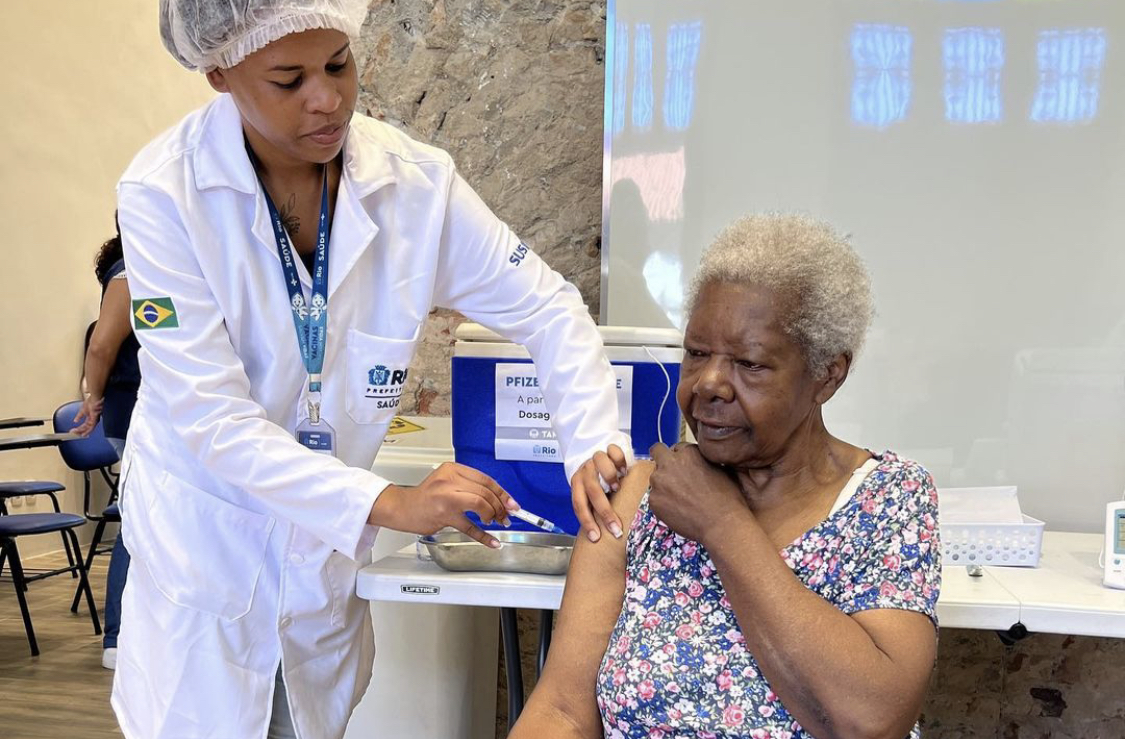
(209, 34)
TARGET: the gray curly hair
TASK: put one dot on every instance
(821, 280)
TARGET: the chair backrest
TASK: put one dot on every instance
(91, 453)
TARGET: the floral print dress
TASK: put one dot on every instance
(677, 663)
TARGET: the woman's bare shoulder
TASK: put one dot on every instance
(633, 489)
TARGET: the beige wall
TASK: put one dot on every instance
(84, 86)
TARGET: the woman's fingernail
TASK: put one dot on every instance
(495, 544)
(512, 505)
(615, 529)
(507, 522)
(593, 535)
(614, 487)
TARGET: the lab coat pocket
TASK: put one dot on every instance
(340, 573)
(205, 553)
(377, 368)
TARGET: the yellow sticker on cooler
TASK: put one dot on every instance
(400, 425)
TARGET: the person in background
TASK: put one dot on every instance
(776, 581)
(111, 377)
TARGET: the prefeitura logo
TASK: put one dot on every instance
(385, 384)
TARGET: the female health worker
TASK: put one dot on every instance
(283, 254)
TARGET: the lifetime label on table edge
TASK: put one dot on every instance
(420, 589)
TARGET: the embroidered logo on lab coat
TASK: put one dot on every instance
(517, 256)
(154, 313)
(384, 385)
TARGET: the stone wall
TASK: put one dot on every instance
(513, 90)
(1062, 687)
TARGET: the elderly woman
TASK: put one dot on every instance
(776, 581)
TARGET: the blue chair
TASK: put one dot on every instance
(16, 488)
(86, 455)
(22, 524)
(93, 450)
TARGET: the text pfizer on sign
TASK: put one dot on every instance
(523, 423)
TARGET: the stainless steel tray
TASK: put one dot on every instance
(536, 552)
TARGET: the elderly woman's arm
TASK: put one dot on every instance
(563, 705)
(858, 676)
(855, 676)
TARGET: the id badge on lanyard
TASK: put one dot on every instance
(310, 319)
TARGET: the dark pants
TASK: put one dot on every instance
(115, 580)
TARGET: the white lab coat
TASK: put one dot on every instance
(245, 545)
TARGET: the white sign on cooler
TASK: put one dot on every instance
(523, 424)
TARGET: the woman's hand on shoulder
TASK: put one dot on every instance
(588, 495)
(689, 493)
(631, 488)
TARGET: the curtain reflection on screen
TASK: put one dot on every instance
(660, 178)
(642, 78)
(620, 71)
(1070, 71)
(679, 84)
(974, 60)
(881, 86)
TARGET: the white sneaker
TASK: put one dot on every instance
(109, 658)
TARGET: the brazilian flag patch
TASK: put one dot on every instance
(154, 313)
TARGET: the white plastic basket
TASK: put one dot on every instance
(979, 527)
(1012, 545)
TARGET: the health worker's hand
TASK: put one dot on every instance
(588, 495)
(691, 495)
(442, 500)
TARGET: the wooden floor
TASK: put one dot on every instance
(64, 692)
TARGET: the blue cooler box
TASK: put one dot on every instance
(487, 367)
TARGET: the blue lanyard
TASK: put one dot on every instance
(311, 320)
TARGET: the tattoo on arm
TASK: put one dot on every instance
(289, 217)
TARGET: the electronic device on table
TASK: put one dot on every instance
(1115, 545)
